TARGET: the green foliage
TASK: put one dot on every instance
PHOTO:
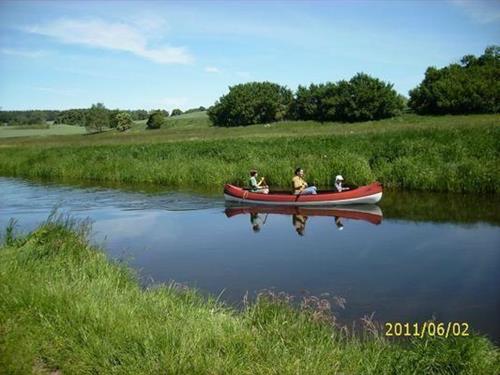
(123, 121)
(156, 120)
(67, 309)
(363, 98)
(473, 86)
(192, 110)
(176, 112)
(251, 103)
(139, 115)
(97, 118)
(71, 117)
(31, 117)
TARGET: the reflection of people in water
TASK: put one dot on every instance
(299, 223)
(338, 223)
(256, 221)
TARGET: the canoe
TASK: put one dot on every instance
(370, 213)
(368, 194)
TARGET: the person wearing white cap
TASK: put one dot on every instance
(338, 183)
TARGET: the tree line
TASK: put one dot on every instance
(471, 86)
(361, 98)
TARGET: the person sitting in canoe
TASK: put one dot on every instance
(300, 185)
(257, 187)
(338, 184)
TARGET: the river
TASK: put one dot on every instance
(413, 257)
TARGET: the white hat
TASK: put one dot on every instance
(339, 177)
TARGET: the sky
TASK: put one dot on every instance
(167, 54)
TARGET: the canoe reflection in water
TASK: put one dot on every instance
(259, 214)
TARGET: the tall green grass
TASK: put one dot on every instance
(455, 158)
(65, 307)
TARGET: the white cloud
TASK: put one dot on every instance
(481, 11)
(212, 69)
(118, 36)
(23, 53)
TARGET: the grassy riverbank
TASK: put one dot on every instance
(65, 307)
(452, 153)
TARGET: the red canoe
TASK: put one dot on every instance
(368, 194)
(370, 213)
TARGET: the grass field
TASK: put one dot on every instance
(66, 309)
(449, 153)
(37, 131)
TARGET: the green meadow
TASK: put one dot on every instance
(446, 153)
(65, 308)
(39, 130)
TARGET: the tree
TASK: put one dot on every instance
(71, 117)
(251, 103)
(123, 121)
(176, 112)
(472, 86)
(361, 98)
(140, 114)
(365, 98)
(113, 120)
(97, 118)
(156, 120)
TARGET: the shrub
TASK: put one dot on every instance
(123, 121)
(473, 86)
(251, 103)
(156, 120)
(176, 112)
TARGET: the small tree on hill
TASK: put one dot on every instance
(156, 120)
(176, 112)
(97, 118)
(123, 121)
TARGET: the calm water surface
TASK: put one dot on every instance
(427, 255)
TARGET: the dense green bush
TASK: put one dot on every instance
(251, 103)
(473, 86)
(71, 117)
(123, 121)
(176, 112)
(362, 98)
(156, 120)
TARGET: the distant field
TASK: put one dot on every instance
(36, 131)
(196, 127)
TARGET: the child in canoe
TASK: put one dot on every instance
(257, 187)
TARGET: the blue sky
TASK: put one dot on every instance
(59, 55)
